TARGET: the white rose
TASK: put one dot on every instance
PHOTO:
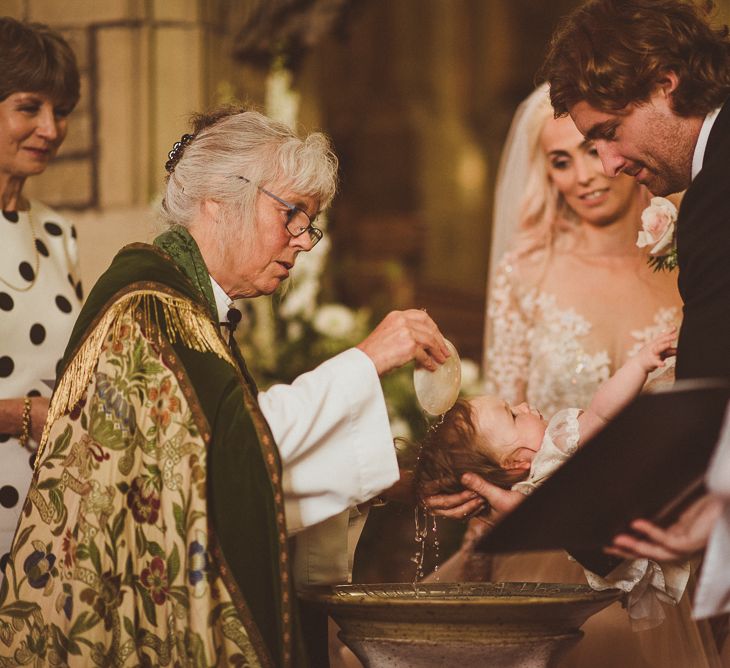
(657, 226)
(334, 320)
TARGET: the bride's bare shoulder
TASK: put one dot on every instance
(525, 268)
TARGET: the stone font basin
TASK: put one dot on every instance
(500, 625)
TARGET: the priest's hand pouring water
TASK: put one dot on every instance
(405, 336)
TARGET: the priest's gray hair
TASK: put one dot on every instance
(234, 152)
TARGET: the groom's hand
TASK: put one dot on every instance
(457, 506)
(474, 499)
(501, 501)
(679, 542)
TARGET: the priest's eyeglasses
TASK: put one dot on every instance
(294, 223)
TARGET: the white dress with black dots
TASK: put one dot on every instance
(35, 325)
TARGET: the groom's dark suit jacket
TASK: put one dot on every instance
(703, 244)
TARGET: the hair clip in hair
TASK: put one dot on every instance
(177, 150)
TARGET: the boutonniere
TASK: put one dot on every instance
(658, 228)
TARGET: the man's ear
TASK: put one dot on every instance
(668, 83)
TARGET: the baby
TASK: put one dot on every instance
(514, 446)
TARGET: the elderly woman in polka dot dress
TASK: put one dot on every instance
(40, 292)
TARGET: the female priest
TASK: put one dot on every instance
(156, 528)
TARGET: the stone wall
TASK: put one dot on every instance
(146, 65)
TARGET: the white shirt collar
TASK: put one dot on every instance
(699, 155)
(222, 301)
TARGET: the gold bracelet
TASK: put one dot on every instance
(25, 424)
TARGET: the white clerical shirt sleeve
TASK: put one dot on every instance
(332, 430)
(713, 589)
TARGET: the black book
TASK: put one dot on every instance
(649, 462)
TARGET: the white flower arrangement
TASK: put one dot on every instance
(658, 230)
(334, 320)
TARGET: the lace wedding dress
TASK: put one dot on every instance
(558, 324)
(551, 355)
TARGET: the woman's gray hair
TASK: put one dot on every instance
(232, 153)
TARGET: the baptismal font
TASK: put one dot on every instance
(435, 624)
(425, 625)
(529, 625)
(500, 625)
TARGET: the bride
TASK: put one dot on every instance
(570, 298)
(573, 297)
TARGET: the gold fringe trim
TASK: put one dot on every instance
(183, 321)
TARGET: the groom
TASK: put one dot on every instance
(648, 82)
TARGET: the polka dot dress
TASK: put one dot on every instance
(40, 299)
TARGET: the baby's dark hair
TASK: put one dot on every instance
(449, 450)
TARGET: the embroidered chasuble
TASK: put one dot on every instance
(154, 532)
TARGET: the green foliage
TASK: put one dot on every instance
(666, 262)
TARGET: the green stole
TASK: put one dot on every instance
(245, 499)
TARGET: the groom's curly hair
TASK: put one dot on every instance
(449, 450)
(612, 53)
